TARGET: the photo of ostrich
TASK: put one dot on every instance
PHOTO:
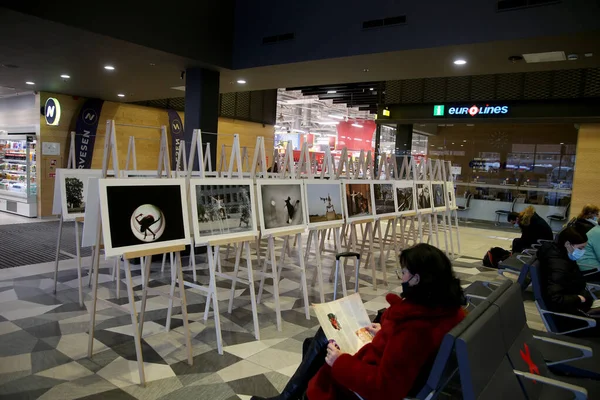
(358, 200)
(439, 195)
(281, 205)
(423, 196)
(384, 198)
(224, 209)
(324, 202)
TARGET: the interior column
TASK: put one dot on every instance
(202, 109)
(404, 134)
(586, 180)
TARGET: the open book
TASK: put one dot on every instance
(345, 321)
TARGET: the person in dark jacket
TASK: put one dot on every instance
(587, 219)
(405, 342)
(562, 284)
(533, 228)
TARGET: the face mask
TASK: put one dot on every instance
(406, 288)
(595, 218)
(576, 254)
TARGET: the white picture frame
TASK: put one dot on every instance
(92, 210)
(406, 200)
(123, 205)
(332, 198)
(214, 216)
(66, 190)
(438, 195)
(144, 173)
(386, 209)
(423, 200)
(351, 194)
(450, 196)
(275, 219)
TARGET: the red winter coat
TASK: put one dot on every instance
(387, 368)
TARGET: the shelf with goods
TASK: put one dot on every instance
(18, 174)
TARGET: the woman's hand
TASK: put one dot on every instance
(583, 300)
(333, 352)
(374, 328)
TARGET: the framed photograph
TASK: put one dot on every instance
(358, 200)
(405, 196)
(323, 201)
(73, 184)
(450, 195)
(222, 209)
(423, 196)
(438, 194)
(383, 199)
(280, 205)
(143, 214)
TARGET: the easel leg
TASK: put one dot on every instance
(215, 301)
(381, 253)
(275, 281)
(162, 266)
(246, 245)
(192, 262)
(171, 294)
(118, 272)
(303, 277)
(238, 255)
(79, 272)
(183, 301)
(145, 298)
(134, 324)
(95, 268)
(369, 230)
(210, 259)
(319, 268)
(60, 225)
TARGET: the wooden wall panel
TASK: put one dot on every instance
(586, 181)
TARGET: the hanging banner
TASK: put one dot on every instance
(176, 129)
(85, 132)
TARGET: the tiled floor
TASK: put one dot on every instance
(43, 337)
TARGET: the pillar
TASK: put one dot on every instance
(586, 179)
(202, 109)
(404, 134)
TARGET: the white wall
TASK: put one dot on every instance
(21, 110)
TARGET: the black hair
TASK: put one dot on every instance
(512, 216)
(570, 235)
(437, 284)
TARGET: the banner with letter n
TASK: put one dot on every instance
(176, 129)
(85, 132)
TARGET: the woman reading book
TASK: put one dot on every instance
(406, 339)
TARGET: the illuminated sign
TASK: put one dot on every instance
(52, 111)
(473, 111)
(386, 113)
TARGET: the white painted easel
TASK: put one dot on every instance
(451, 209)
(137, 327)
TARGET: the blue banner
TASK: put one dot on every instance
(176, 129)
(85, 132)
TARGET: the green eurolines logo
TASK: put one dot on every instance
(438, 110)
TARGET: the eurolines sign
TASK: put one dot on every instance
(473, 111)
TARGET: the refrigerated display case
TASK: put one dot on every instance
(18, 175)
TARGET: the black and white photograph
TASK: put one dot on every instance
(451, 196)
(223, 209)
(139, 214)
(73, 184)
(405, 199)
(423, 193)
(383, 197)
(324, 202)
(358, 200)
(280, 205)
(439, 195)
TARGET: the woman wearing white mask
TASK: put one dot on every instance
(563, 286)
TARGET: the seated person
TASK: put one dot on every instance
(562, 284)
(589, 263)
(405, 343)
(587, 219)
(533, 228)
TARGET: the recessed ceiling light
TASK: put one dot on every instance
(460, 62)
(336, 116)
(109, 68)
(452, 142)
(152, 64)
(366, 70)
(241, 81)
(30, 83)
(331, 92)
(65, 76)
(121, 95)
(561, 143)
(371, 89)
(465, 141)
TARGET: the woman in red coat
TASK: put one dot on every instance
(397, 362)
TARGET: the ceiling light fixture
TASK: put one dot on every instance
(30, 83)
(460, 62)
(298, 131)
(241, 81)
(121, 95)
(65, 76)
(371, 89)
(109, 68)
(357, 125)
(336, 116)
(331, 92)
(328, 122)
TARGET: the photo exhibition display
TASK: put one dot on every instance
(383, 198)
(423, 192)
(358, 200)
(72, 191)
(222, 209)
(323, 203)
(451, 195)
(438, 192)
(405, 199)
(280, 205)
(142, 214)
